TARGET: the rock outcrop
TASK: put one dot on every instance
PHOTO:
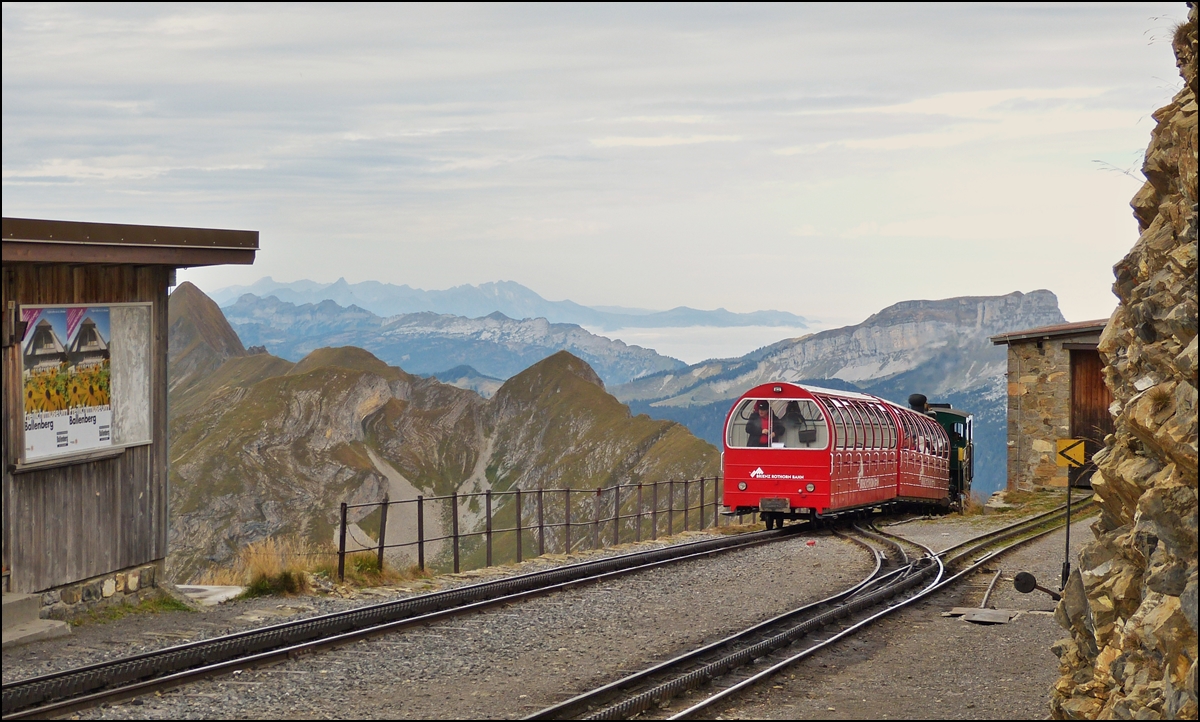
(1130, 606)
(200, 338)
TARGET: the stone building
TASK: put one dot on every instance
(1055, 391)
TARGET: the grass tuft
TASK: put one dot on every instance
(972, 505)
(1160, 397)
(156, 605)
(285, 566)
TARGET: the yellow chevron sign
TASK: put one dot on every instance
(1071, 453)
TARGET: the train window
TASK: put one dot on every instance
(790, 424)
(802, 424)
(853, 425)
(889, 429)
(835, 421)
(870, 425)
(745, 425)
(877, 423)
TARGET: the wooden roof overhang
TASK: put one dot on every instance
(28, 240)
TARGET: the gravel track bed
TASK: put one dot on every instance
(511, 661)
(918, 664)
(136, 634)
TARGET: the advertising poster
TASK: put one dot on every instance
(66, 375)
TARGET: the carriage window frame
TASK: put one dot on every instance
(833, 406)
(735, 426)
(888, 428)
(856, 421)
(877, 423)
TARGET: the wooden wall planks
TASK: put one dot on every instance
(67, 523)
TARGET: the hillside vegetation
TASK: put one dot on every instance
(262, 447)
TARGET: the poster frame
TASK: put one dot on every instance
(94, 454)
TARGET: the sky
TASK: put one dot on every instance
(827, 160)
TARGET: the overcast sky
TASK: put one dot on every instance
(824, 160)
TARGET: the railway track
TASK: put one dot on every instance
(72, 690)
(723, 668)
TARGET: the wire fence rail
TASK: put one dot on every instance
(476, 529)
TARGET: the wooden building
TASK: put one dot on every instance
(1055, 391)
(85, 399)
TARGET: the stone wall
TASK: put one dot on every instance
(1039, 412)
(128, 586)
(1130, 604)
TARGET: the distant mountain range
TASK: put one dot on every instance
(495, 345)
(261, 446)
(507, 297)
(938, 348)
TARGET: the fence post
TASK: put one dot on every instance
(654, 512)
(617, 514)
(487, 500)
(342, 547)
(687, 508)
(596, 520)
(421, 532)
(541, 526)
(567, 550)
(670, 507)
(518, 526)
(637, 535)
(454, 510)
(383, 510)
(717, 511)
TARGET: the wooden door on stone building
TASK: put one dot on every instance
(1090, 399)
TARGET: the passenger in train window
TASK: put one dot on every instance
(791, 424)
(758, 428)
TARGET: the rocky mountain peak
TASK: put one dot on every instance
(988, 314)
(199, 338)
(348, 357)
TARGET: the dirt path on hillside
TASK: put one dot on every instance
(402, 518)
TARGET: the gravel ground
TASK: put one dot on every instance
(135, 634)
(568, 642)
(918, 664)
(556, 646)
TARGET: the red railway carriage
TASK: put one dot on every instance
(793, 451)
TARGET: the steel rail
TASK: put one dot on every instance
(938, 584)
(567, 708)
(68, 690)
(640, 691)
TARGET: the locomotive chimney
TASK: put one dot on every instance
(918, 402)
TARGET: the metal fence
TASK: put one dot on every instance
(554, 520)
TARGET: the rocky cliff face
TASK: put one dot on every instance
(898, 340)
(1131, 603)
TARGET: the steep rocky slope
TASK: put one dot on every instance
(262, 447)
(201, 338)
(430, 343)
(1130, 605)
